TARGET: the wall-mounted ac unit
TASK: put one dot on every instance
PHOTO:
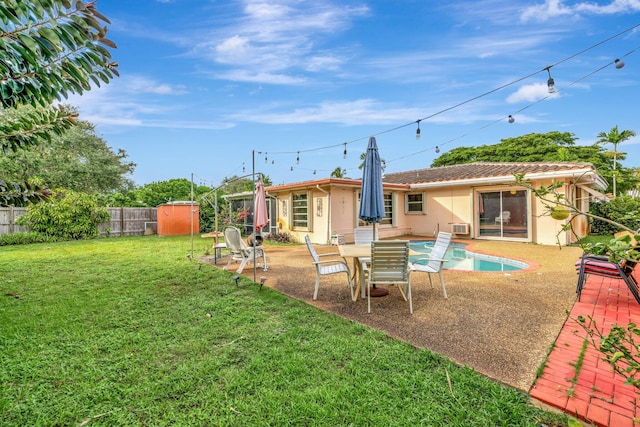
(460, 228)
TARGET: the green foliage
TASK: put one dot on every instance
(67, 215)
(620, 347)
(548, 147)
(25, 238)
(159, 192)
(48, 50)
(51, 49)
(77, 159)
(624, 210)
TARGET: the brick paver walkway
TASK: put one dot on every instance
(595, 394)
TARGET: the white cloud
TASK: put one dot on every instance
(556, 8)
(530, 93)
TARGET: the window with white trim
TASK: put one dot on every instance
(300, 210)
(414, 203)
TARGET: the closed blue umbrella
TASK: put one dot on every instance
(372, 197)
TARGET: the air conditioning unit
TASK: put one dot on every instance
(460, 228)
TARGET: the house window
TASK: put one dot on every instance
(300, 210)
(388, 210)
(415, 203)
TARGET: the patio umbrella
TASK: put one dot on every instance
(260, 218)
(371, 195)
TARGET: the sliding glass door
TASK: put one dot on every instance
(503, 214)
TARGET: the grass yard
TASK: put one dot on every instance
(129, 331)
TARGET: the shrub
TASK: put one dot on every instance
(280, 237)
(624, 210)
(25, 238)
(67, 215)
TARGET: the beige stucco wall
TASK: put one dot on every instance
(334, 210)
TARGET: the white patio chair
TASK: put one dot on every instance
(504, 218)
(364, 235)
(240, 252)
(434, 262)
(390, 266)
(328, 266)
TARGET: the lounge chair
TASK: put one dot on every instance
(389, 266)
(434, 262)
(327, 266)
(240, 252)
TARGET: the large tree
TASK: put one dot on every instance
(78, 160)
(615, 137)
(536, 147)
(48, 50)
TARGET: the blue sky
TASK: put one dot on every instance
(206, 84)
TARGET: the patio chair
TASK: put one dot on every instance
(364, 235)
(434, 262)
(601, 266)
(240, 252)
(328, 266)
(389, 266)
(504, 218)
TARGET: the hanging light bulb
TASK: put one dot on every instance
(273, 162)
(619, 63)
(265, 157)
(344, 155)
(292, 168)
(314, 171)
(437, 149)
(418, 131)
(511, 119)
(242, 167)
(550, 83)
(298, 159)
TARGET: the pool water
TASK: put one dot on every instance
(458, 258)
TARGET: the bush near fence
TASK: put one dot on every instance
(124, 221)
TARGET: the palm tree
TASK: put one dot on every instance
(338, 173)
(615, 137)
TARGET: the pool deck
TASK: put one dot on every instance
(593, 392)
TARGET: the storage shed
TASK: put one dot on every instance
(178, 218)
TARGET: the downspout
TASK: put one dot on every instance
(328, 212)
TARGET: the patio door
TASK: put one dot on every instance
(503, 214)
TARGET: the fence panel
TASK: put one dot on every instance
(124, 221)
(8, 220)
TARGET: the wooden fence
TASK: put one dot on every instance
(124, 221)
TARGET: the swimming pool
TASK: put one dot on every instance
(458, 258)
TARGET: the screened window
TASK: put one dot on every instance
(415, 203)
(300, 210)
(388, 209)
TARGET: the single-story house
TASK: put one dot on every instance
(476, 201)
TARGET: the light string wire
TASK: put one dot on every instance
(517, 111)
(474, 98)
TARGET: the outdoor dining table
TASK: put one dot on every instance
(356, 252)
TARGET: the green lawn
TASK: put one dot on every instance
(129, 331)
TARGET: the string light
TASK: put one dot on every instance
(550, 83)
(418, 130)
(291, 168)
(265, 157)
(242, 167)
(298, 159)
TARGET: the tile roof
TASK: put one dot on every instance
(480, 170)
